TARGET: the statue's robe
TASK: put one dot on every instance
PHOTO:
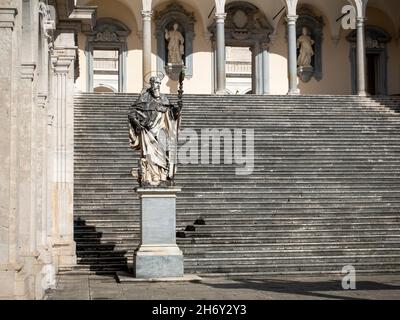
(154, 125)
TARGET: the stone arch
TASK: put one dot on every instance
(201, 9)
(103, 88)
(108, 34)
(247, 26)
(131, 10)
(246, 23)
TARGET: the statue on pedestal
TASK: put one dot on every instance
(176, 47)
(305, 44)
(153, 129)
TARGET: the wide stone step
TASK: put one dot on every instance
(295, 239)
(324, 186)
(321, 252)
(283, 247)
(311, 268)
(284, 261)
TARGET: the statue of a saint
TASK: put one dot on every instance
(305, 44)
(176, 47)
(153, 129)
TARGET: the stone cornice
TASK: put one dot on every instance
(28, 71)
(7, 17)
(220, 17)
(62, 58)
(86, 15)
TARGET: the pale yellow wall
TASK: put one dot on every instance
(336, 61)
(336, 68)
(378, 18)
(278, 62)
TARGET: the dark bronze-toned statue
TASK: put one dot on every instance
(153, 129)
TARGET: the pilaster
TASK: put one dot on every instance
(292, 55)
(361, 57)
(61, 141)
(146, 20)
(220, 52)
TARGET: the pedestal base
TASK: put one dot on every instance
(158, 262)
(158, 256)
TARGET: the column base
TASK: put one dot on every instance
(64, 254)
(158, 261)
(362, 94)
(295, 92)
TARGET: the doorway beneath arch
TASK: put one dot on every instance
(247, 36)
(239, 70)
(376, 60)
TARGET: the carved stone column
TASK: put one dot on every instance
(265, 68)
(146, 17)
(361, 55)
(61, 136)
(220, 50)
(260, 68)
(292, 55)
(10, 264)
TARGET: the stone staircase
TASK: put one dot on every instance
(324, 192)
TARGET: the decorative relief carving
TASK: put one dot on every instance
(106, 36)
(245, 25)
(109, 30)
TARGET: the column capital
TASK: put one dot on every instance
(146, 14)
(7, 17)
(62, 59)
(220, 17)
(361, 21)
(291, 19)
(266, 45)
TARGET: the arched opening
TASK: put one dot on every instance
(247, 32)
(104, 89)
(238, 69)
(376, 60)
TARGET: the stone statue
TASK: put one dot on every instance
(153, 129)
(176, 47)
(305, 44)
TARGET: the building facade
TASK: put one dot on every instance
(52, 49)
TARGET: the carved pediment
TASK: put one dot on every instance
(245, 22)
(375, 37)
(106, 36)
(109, 30)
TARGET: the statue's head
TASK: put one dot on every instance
(305, 31)
(176, 26)
(155, 84)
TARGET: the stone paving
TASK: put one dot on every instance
(91, 287)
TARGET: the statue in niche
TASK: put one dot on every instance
(176, 43)
(305, 44)
(153, 129)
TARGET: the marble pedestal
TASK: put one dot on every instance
(158, 256)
